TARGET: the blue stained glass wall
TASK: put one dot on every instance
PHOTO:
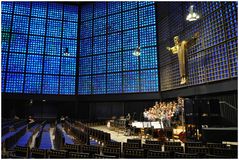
(110, 33)
(35, 36)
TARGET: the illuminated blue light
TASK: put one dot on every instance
(114, 83)
(130, 62)
(55, 11)
(39, 9)
(5, 41)
(6, 22)
(71, 45)
(33, 83)
(114, 42)
(53, 46)
(130, 19)
(70, 30)
(22, 8)
(20, 24)
(99, 64)
(149, 80)
(14, 83)
(34, 63)
(16, 62)
(114, 62)
(51, 65)
(99, 45)
(84, 85)
(86, 47)
(50, 84)
(99, 84)
(131, 82)
(68, 66)
(36, 45)
(7, 7)
(67, 85)
(37, 26)
(114, 7)
(54, 28)
(71, 13)
(85, 65)
(4, 61)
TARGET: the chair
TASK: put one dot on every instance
(201, 151)
(155, 147)
(22, 151)
(38, 153)
(192, 144)
(134, 153)
(91, 149)
(172, 143)
(185, 155)
(216, 145)
(153, 142)
(57, 154)
(230, 153)
(131, 146)
(78, 155)
(158, 154)
(173, 148)
(134, 141)
(71, 147)
(111, 151)
(113, 144)
(98, 156)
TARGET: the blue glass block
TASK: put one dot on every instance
(16, 62)
(39, 9)
(86, 47)
(53, 46)
(100, 26)
(85, 65)
(145, 3)
(84, 85)
(14, 83)
(114, 7)
(50, 84)
(37, 26)
(131, 82)
(18, 43)
(130, 19)
(114, 23)
(148, 36)
(7, 7)
(87, 12)
(71, 13)
(99, 9)
(36, 45)
(99, 45)
(114, 62)
(130, 39)
(6, 22)
(55, 11)
(71, 45)
(54, 28)
(130, 62)
(4, 61)
(149, 80)
(68, 66)
(114, 42)
(148, 58)
(86, 29)
(34, 63)
(114, 83)
(51, 65)
(33, 84)
(3, 81)
(67, 85)
(70, 30)
(129, 5)
(99, 64)
(20, 24)
(99, 84)
(22, 8)
(5, 41)
(147, 16)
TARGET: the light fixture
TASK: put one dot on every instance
(192, 16)
(137, 52)
(66, 53)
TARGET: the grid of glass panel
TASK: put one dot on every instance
(67, 85)
(35, 36)
(33, 83)
(114, 31)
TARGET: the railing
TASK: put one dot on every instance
(228, 111)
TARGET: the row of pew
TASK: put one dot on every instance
(61, 137)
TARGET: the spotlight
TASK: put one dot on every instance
(66, 53)
(137, 52)
(192, 16)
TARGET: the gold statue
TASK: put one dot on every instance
(180, 48)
